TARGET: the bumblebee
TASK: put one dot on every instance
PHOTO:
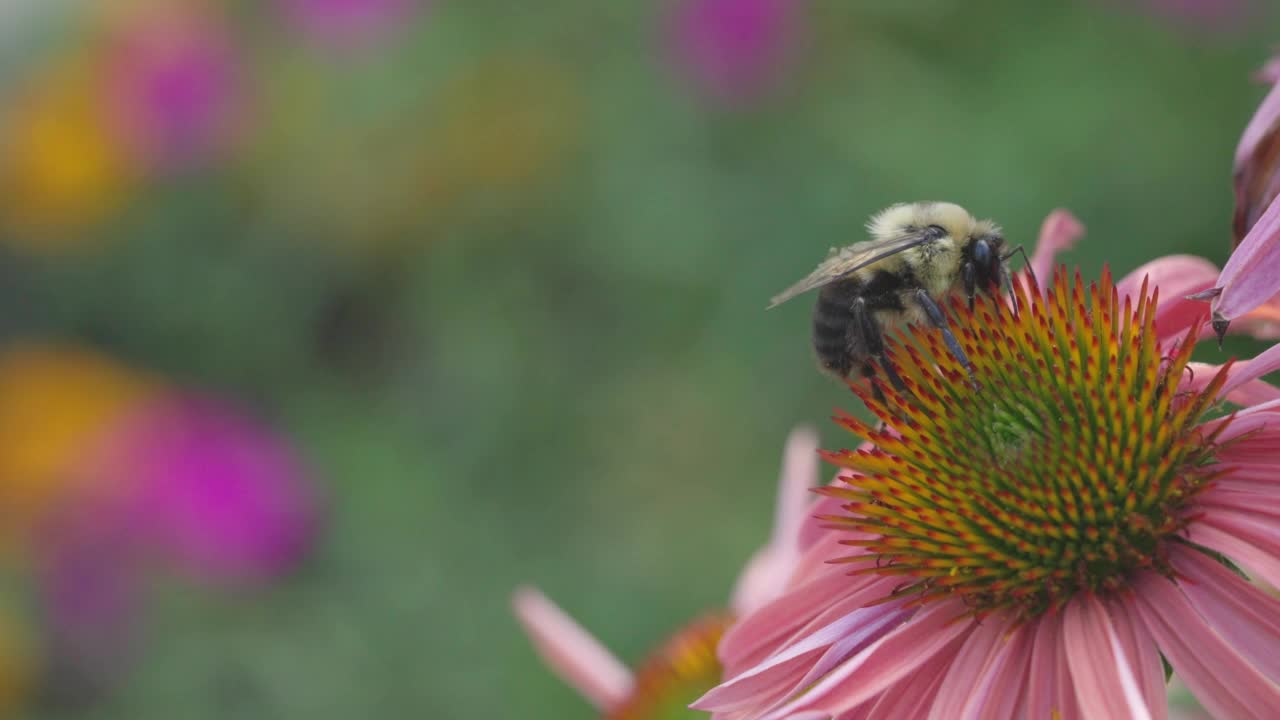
(919, 255)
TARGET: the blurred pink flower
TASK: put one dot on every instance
(1032, 550)
(175, 88)
(216, 492)
(348, 22)
(186, 482)
(687, 660)
(734, 51)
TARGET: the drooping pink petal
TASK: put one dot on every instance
(966, 687)
(1223, 681)
(777, 678)
(1248, 542)
(573, 653)
(1251, 427)
(784, 615)
(1252, 274)
(1049, 688)
(1005, 680)
(1140, 648)
(765, 576)
(1234, 500)
(1176, 277)
(1248, 477)
(1058, 233)
(912, 696)
(933, 630)
(1242, 387)
(1242, 614)
(1104, 679)
(1256, 175)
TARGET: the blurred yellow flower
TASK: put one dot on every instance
(61, 170)
(55, 404)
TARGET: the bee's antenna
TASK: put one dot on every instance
(1026, 262)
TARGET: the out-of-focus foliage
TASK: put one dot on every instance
(496, 271)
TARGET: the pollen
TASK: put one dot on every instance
(1069, 469)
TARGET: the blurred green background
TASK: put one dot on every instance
(498, 271)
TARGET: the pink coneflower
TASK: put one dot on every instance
(1031, 549)
(685, 665)
(734, 51)
(1248, 290)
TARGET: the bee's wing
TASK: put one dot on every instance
(843, 261)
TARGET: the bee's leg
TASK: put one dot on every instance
(970, 276)
(873, 341)
(939, 321)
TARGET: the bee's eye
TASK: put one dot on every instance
(982, 253)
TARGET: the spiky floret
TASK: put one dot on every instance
(676, 674)
(1072, 467)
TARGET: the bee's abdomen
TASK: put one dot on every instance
(833, 340)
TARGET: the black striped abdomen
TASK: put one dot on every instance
(836, 341)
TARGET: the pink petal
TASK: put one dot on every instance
(765, 576)
(1239, 389)
(770, 624)
(1242, 614)
(1176, 277)
(1241, 501)
(967, 685)
(1104, 680)
(1049, 690)
(913, 695)
(1226, 684)
(1006, 681)
(1140, 648)
(853, 630)
(1252, 274)
(576, 656)
(884, 663)
(1263, 121)
(1247, 542)
(1058, 233)
(1267, 361)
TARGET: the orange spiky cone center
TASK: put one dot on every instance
(679, 672)
(1069, 469)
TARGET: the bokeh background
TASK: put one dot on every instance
(326, 323)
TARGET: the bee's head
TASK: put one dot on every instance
(985, 266)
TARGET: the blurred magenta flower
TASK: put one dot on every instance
(734, 51)
(1034, 548)
(175, 86)
(348, 22)
(183, 483)
(217, 493)
(686, 664)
